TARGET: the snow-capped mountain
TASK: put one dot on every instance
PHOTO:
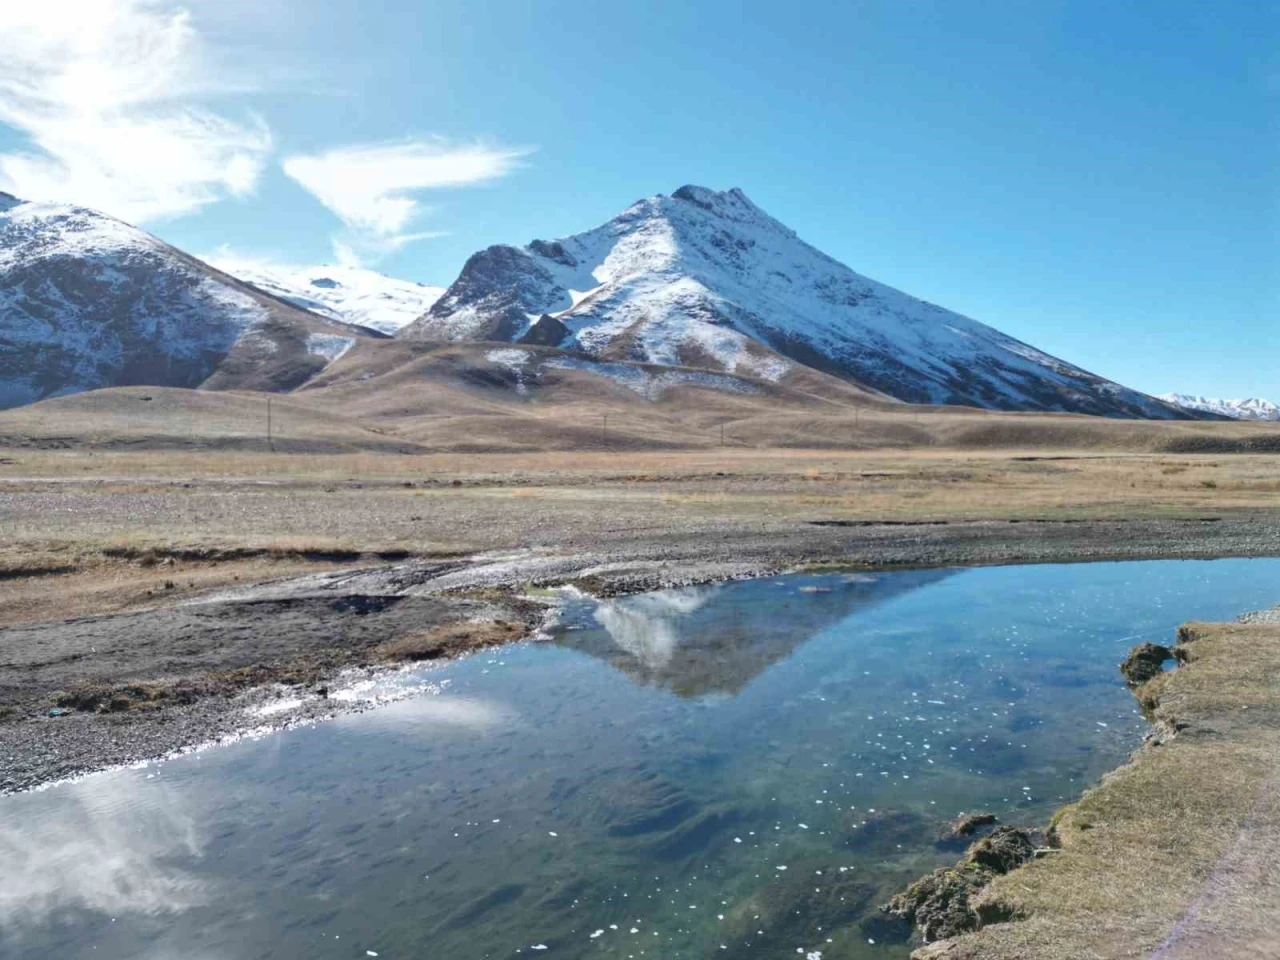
(88, 301)
(1255, 408)
(350, 294)
(707, 279)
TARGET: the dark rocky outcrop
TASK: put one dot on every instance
(971, 823)
(553, 250)
(546, 332)
(1145, 662)
(941, 904)
(960, 833)
(1005, 849)
(497, 289)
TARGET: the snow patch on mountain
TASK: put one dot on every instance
(651, 384)
(528, 368)
(516, 362)
(350, 294)
(329, 345)
(707, 279)
(1253, 408)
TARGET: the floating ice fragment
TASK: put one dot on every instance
(598, 933)
(782, 867)
(538, 946)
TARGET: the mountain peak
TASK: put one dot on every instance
(732, 203)
(8, 201)
(705, 278)
(709, 199)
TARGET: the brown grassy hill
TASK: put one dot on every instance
(414, 397)
(159, 418)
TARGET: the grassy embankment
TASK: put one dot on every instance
(1173, 856)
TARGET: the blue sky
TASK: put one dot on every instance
(1099, 179)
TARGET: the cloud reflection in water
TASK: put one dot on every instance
(112, 844)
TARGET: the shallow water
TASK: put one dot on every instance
(751, 766)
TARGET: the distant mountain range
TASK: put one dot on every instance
(708, 279)
(700, 280)
(350, 294)
(1255, 408)
(88, 301)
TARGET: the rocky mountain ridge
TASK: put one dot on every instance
(707, 279)
(1253, 408)
(88, 301)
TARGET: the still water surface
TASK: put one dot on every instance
(743, 770)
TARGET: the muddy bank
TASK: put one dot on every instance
(1173, 855)
(78, 695)
(83, 694)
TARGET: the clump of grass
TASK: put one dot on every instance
(102, 698)
(448, 640)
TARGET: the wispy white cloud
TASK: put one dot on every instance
(108, 93)
(372, 187)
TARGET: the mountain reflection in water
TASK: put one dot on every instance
(684, 642)
(756, 765)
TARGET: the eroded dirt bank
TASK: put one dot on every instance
(1173, 856)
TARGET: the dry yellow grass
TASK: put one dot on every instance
(94, 517)
(449, 640)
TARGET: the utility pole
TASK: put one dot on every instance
(722, 434)
(270, 445)
(604, 430)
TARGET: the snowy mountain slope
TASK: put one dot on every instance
(88, 301)
(707, 279)
(350, 294)
(1255, 408)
